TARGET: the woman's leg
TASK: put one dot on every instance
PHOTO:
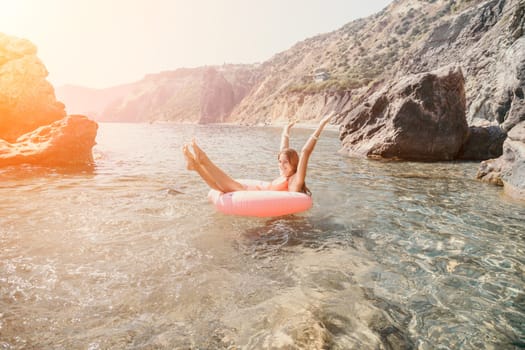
(191, 164)
(217, 179)
(222, 179)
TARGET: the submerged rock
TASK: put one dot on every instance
(421, 117)
(68, 141)
(509, 169)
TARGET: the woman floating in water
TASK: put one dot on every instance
(292, 167)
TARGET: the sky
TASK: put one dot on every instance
(103, 43)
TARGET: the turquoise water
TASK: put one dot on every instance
(130, 255)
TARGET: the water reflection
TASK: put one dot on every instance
(28, 172)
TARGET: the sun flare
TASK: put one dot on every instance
(10, 13)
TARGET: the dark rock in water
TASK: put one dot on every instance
(421, 117)
(173, 192)
(66, 142)
(483, 143)
(509, 169)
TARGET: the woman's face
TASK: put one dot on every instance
(285, 168)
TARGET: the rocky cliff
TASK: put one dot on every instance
(92, 102)
(34, 128)
(338, 69)
(484, 38)
(27, 99)
(420, 117)
(203, 94)
(487, 40)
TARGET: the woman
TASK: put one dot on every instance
(292, 167)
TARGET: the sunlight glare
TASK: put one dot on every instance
(11, 12)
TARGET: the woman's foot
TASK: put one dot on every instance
(191, 164)
(200, 155)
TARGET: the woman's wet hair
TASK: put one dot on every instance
(292, 156)
(293, 159)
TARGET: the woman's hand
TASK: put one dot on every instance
(291, 123)
(326, 119)
(285, 142)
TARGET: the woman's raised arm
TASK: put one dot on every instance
(285, 137)
(307, 149)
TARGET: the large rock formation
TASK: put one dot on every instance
(486, 39)
(34, 128)
(27, 99)
(421, 117)
(63, 143)
(509, 169)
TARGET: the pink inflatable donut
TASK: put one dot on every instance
(259, 203)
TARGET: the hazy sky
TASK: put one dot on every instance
(101, 43)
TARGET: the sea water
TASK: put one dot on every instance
(130, 255)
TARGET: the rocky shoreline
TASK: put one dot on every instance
(509, 169)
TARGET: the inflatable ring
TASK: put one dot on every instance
(259, 203)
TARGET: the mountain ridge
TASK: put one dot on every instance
(407, 36)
